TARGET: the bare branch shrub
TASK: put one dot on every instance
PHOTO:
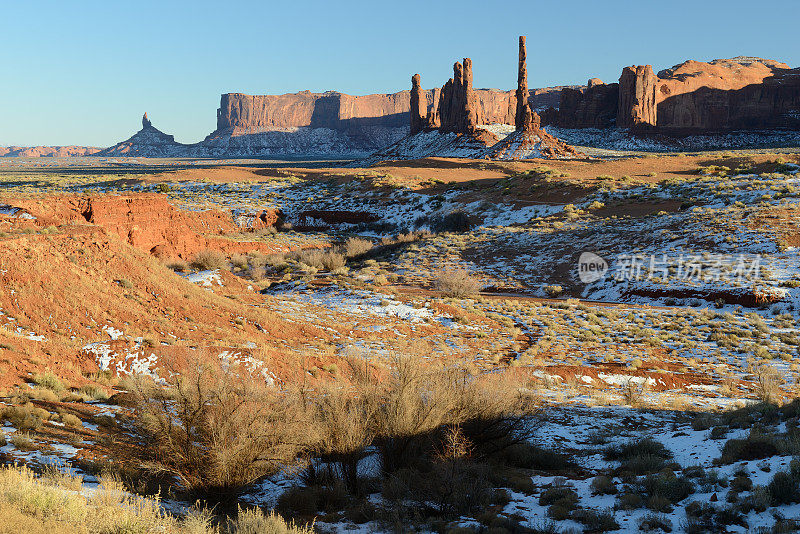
(356, 246)
(457, 283)
(217, 428)
(209, 260)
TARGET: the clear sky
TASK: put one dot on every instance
(84, 72)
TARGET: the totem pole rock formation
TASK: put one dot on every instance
(419, 106)
(458, 106)
(522, 118)
(145, 121)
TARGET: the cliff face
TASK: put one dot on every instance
(241, 114)
(725, 94)
(738, 93)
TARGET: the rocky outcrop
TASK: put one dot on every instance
(637, 98)
(149, 141)
(419, 105)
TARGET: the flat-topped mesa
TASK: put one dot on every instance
(419, 106)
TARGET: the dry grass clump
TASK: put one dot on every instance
(48, 380)
(209, 260)
(356, 246)
(327, 260)
(177, 264)
(52, 504)
(457, 283)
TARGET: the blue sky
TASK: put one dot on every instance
(83, 72)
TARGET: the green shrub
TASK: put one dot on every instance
(637, 447)
(556, 494)
(652, 522)
(603, 485)
(754, 447)
(596, 521)
(783, 489)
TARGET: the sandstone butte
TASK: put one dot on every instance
(725, 94)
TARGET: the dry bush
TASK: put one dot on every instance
(633, 391)
(177, 264)
(217, 428)
(768, 384)
(209, 260)
(332, 260)
(48, 380)
(457, 283)
(254, 521)
(356, 246)
(240, 261)
(419, 403)
(345, 417)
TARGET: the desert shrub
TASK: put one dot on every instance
(754, 447)
(217, 428)
(637, 447)
(652, 522)
(94, 392)
(240, 261)
(71, 420)
(177, 264)
(559, 494)
(630, 501)
(356, 246)
(419, 402)
(23, 441)
(595, 520)
(741, 482)
(530, 456)
(209, 260)
(309, 500)
(603, 485)
(23, 417)
(768, 384)
(553, 290)
(43, 394)
(332, 260)
(455, 221)
(665, 485)
(457, 283)
(449, 488)
(345, 419)
(48, 380)
(783, 489)
(633, 391)
(255, 521)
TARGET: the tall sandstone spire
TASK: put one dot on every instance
(419, 106)
(524, 118)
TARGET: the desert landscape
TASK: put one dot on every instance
(561, 309)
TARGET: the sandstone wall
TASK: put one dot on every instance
(243, 114)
